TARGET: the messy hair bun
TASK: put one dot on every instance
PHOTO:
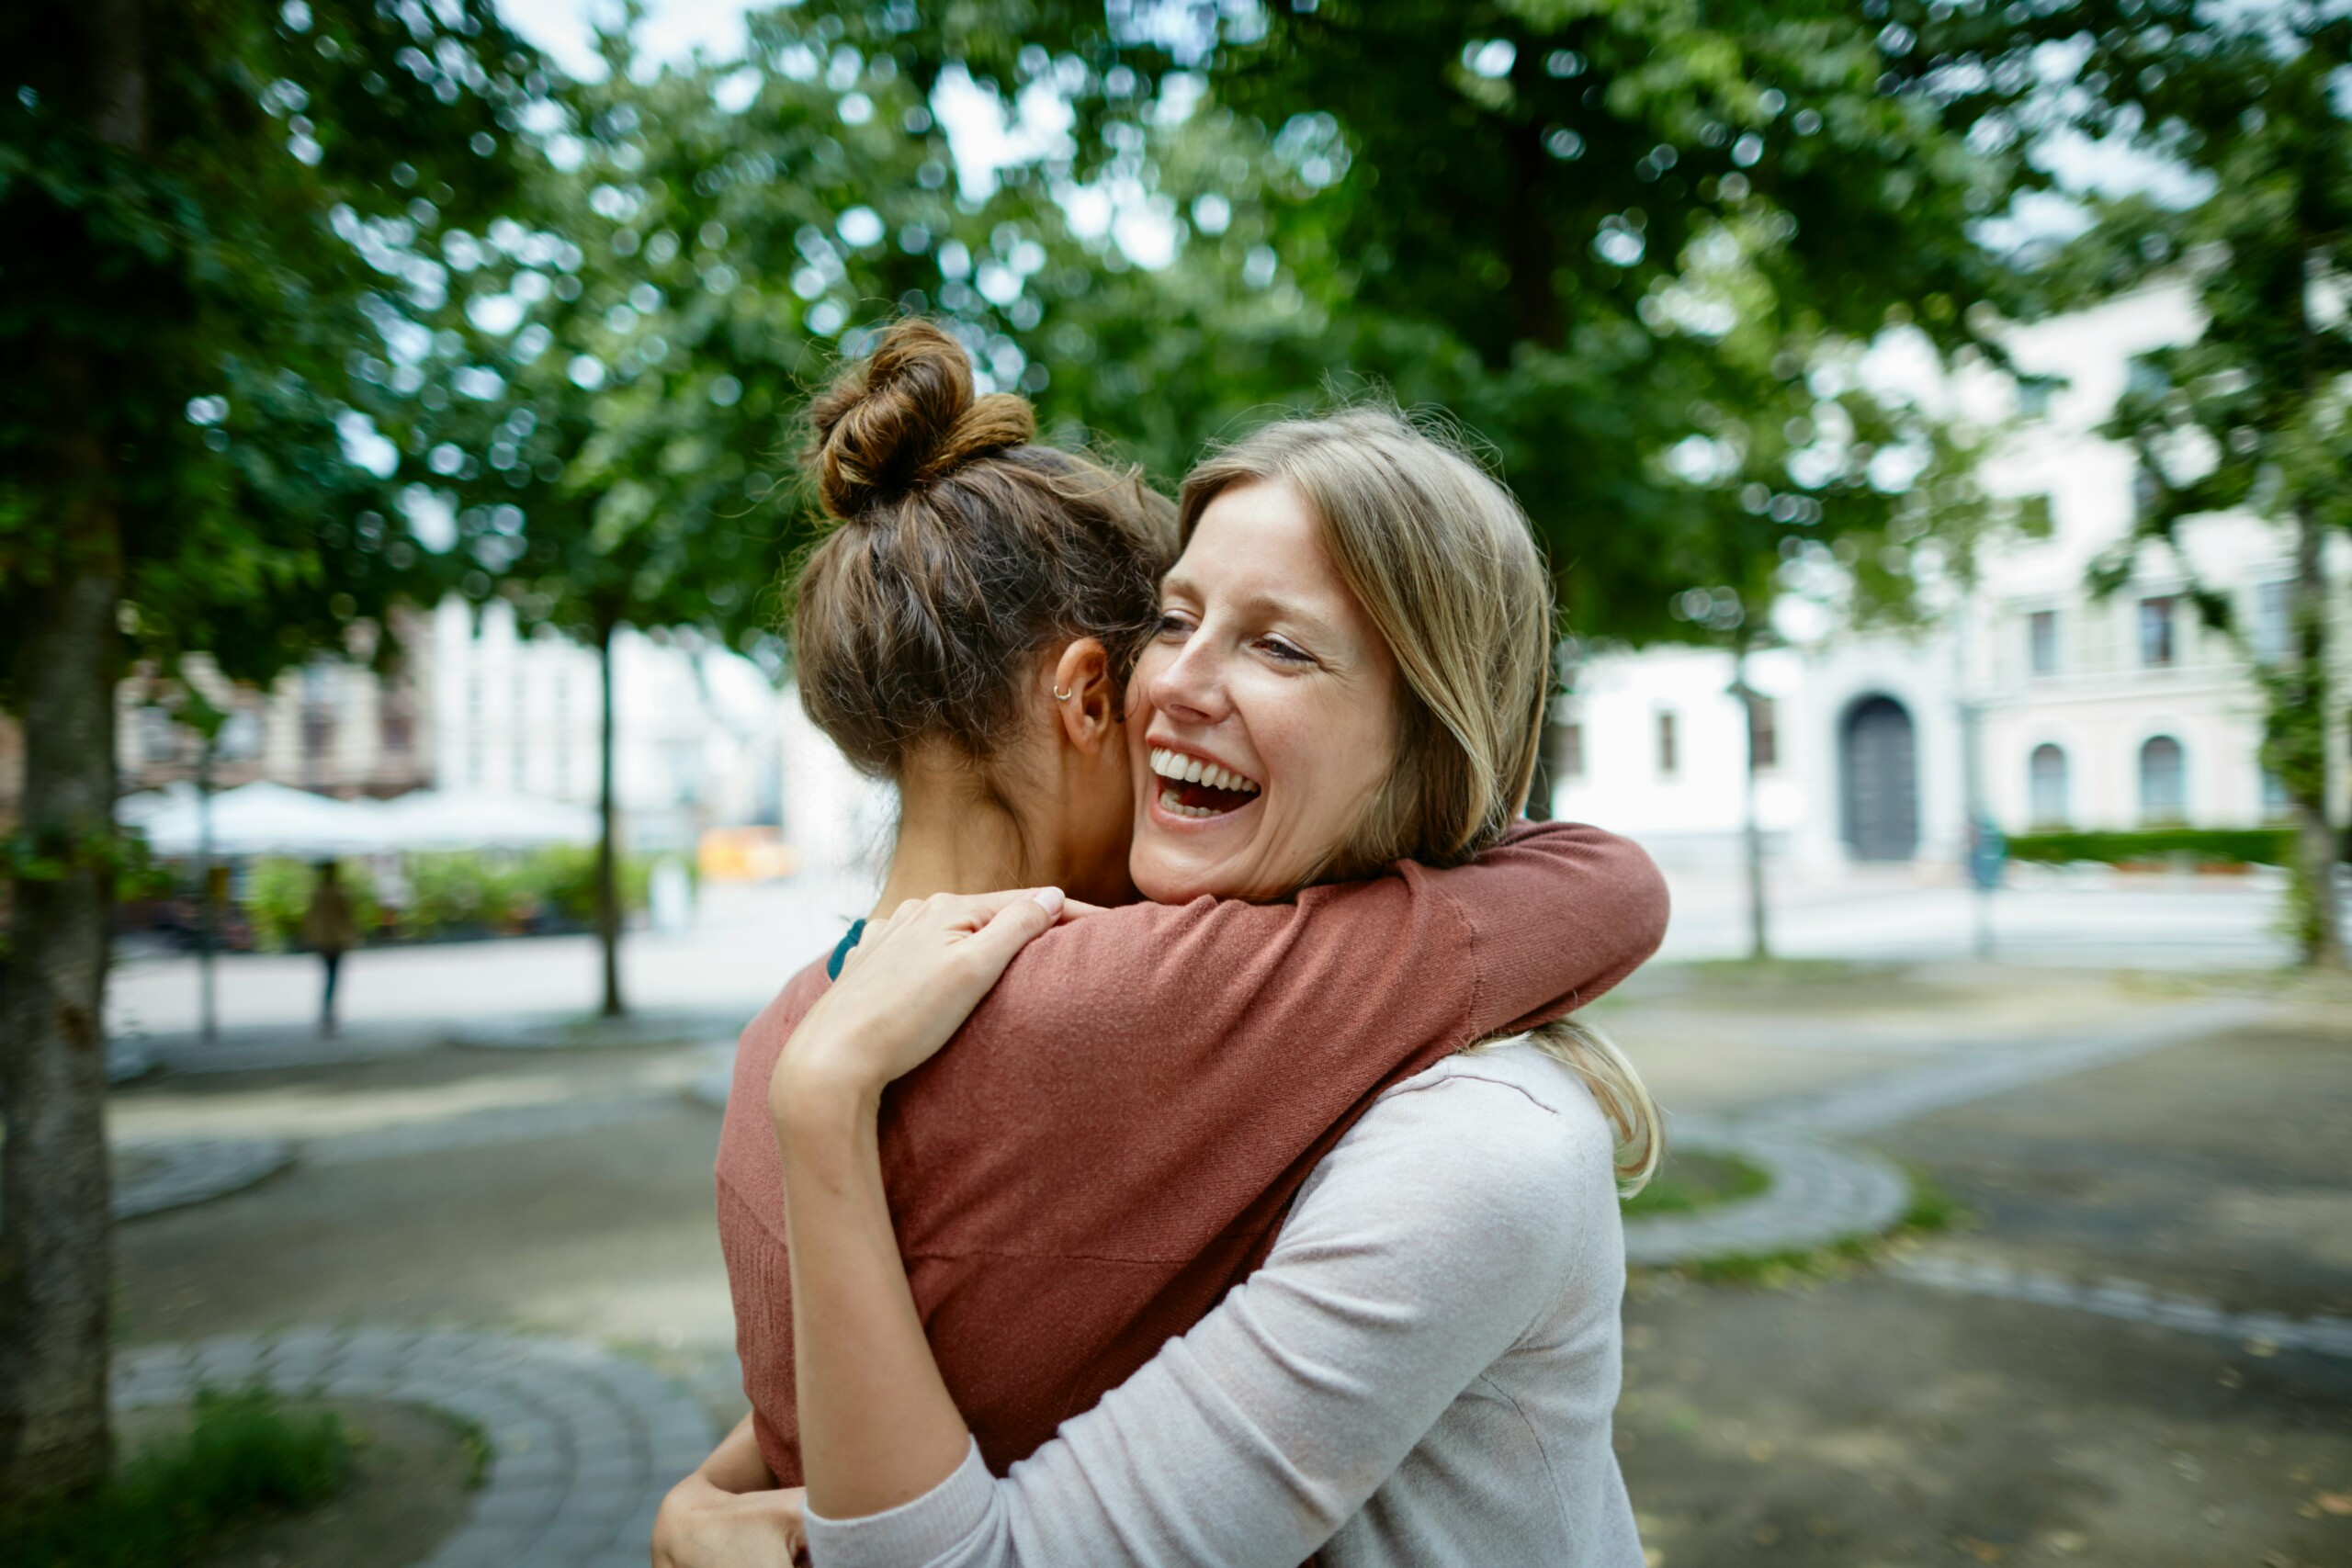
(966, 551)
(905, 417)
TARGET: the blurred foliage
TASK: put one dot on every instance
(2211, 846)
(446, 894)
(2245, 104)
(1635, 249)
(277, 895)
(244, 1455)
(185, 317)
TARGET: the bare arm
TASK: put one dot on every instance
(877, 1426)
(730, 1511)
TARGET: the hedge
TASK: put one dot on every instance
(450, 894)
(2230, 846)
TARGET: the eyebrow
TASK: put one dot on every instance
(1265, 605)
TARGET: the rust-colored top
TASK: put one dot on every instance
(1112, 1140)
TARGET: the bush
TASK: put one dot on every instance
(450, 893)
(564, 877)
(277, 892)
(462, 890)
(2228, 846)
(243, 1455)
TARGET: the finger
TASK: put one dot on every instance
(1020, 921)
(973, 911)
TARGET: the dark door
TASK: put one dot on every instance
(1882, 781)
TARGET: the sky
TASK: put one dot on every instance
(984, 137)
(672, 28)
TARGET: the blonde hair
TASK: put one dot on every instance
(1615, 1085)
(1444, 562)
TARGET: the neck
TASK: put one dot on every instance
(950, 838)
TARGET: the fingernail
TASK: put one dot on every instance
(1050, 897)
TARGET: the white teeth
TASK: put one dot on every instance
(1175, 807)
(1178, 768)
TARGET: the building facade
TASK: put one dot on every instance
(2071, 710)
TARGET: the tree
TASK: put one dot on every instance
(1633, 248)
(692, 251)
(173, 475)
(2251, 416)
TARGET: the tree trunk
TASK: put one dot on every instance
(56, 1252)
(2306, 774)
(608, 901)
(55, 1257)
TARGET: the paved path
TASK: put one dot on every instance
(1982, 1070)
(160, 1176)
(1824, 1190)
(2266, 1332)
(583, 1444)
(1821, 1193)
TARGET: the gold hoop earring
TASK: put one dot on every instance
(1062, 696)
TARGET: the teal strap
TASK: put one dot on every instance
(841, 949)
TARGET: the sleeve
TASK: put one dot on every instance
(1246, 1443)
(1420, 961)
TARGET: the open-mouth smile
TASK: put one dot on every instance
(1196, 787)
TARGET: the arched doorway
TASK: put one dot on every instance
(1880, 780)
(2163, 782)
(2048, 768)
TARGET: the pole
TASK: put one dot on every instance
(1981, 866)
(608, 903)
(207, 913)
(1759, 945)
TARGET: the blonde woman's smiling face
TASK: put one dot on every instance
(1262, 715)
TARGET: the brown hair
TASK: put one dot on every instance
(962, 548)
(1444, 562)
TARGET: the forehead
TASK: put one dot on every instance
(1261, 541)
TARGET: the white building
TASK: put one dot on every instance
(697, 732)
(2113, 713)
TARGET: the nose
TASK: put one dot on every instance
(1191, 687)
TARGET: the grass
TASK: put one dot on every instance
(243, 1455)
(1688, 1182)
(1931, 1210)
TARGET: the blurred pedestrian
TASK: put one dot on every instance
(329, 930)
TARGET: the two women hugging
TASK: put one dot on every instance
(1191, 1160)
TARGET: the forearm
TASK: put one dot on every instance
(877, 1426)
(736, 1465)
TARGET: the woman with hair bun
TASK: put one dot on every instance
(1308, 747)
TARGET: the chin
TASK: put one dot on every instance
(1170, 884)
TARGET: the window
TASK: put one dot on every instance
(1669, 758)
(2046, 776)
(2163, 780)
(2276, 806)
(398, 728)
(2156, 649)
(159, 739)
(242, 736)
(2042, 642)
(1572, 748)
(2273, 622)
(1763, 734)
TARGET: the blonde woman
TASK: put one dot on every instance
(1423, 1368)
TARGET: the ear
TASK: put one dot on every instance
(1089, 714)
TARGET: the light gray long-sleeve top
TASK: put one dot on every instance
(1423, 1372)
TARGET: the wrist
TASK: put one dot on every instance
(818, 1105)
